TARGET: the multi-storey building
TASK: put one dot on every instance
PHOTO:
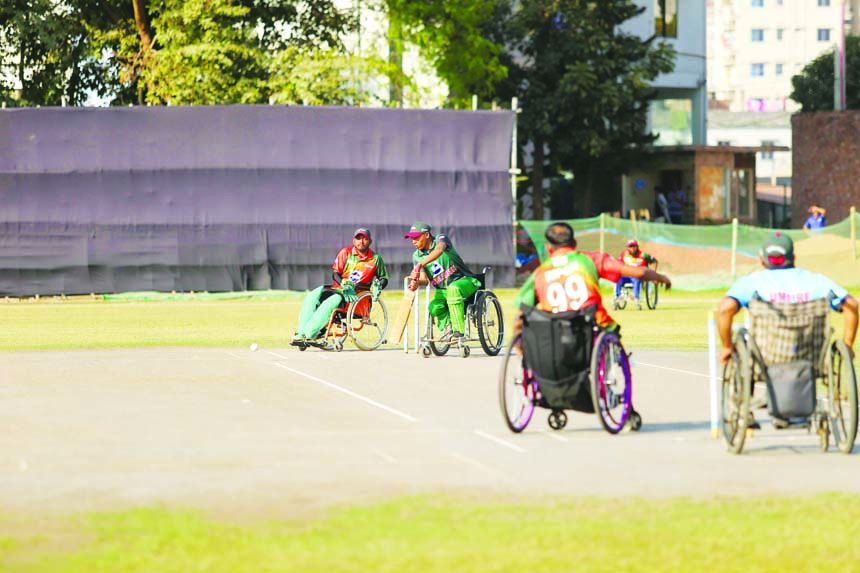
(756, 46)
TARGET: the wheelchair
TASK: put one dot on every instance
(789, 363)
(365, 321)
(565, 361)
(648, 288)
(484, 324)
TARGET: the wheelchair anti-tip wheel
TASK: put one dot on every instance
(367, 321)
(557, 419)
(634, 422)
(517, 389)
(735, 396)
(823, 431)
(611, 383)
(426, 352)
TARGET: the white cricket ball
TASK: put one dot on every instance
(255, 347)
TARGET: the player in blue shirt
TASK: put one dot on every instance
(780, 281)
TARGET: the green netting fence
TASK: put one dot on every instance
(711, 257)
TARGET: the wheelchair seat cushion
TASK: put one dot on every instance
(557, 348)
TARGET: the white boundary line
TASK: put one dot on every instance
(500, 441)
(553, 436)
(355, 395)
(488, 470)
(699, 374)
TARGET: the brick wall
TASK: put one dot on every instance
(826, 164)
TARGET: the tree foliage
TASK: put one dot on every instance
(813, 87)
(43, 54)
(584, 87)
(453, 36)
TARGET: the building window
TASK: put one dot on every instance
(724, 143)
(767, 154)
(778, 70)
(757, 3)
(779, 2)
(757, 35)
(824, 3)
(757, 70)
(824, 34)
(666, 18)
(779, 34)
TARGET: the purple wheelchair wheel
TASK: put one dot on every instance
(517, 388)
(611, 383)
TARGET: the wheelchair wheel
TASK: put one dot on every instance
(438, 348)
(517, 389)
(491, 326)
(611, 384)
(651, 294)
(368, 327)
(621, 302)
(736, 394)
(842, 394)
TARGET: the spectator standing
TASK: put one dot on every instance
(816, 219)
(661, 205)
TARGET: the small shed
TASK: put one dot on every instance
(704, 183)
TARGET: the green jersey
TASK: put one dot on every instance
(448, 268)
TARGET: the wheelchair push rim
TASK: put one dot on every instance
(517, 389)
(842, 398)
(651, 295)
(490, 323)
(611, 389)
(369, 327)
(735, 395)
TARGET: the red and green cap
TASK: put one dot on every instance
(777, 251)
(417, 229)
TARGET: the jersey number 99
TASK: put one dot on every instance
(567, 294)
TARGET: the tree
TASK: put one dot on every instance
(44, 54)
(453, 36)
(813, 86)
(584, 87)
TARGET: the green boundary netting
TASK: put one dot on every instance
(148, 296)
(702, 257)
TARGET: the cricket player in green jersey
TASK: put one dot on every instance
(355, 268)
(445, 270)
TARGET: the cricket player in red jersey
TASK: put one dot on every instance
(569, 279)
(355, 269)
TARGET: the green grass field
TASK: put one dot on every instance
(679, 323)
(410, 534)
(443, 533)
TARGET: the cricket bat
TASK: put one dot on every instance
(402, 315)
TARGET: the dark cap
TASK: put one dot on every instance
(417, 229)
(362, 231)
(777, 251)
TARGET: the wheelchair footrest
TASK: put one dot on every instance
(793, 424)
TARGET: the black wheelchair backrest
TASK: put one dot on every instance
(557, 346)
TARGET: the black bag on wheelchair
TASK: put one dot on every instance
(557, 348)
(790, 389)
